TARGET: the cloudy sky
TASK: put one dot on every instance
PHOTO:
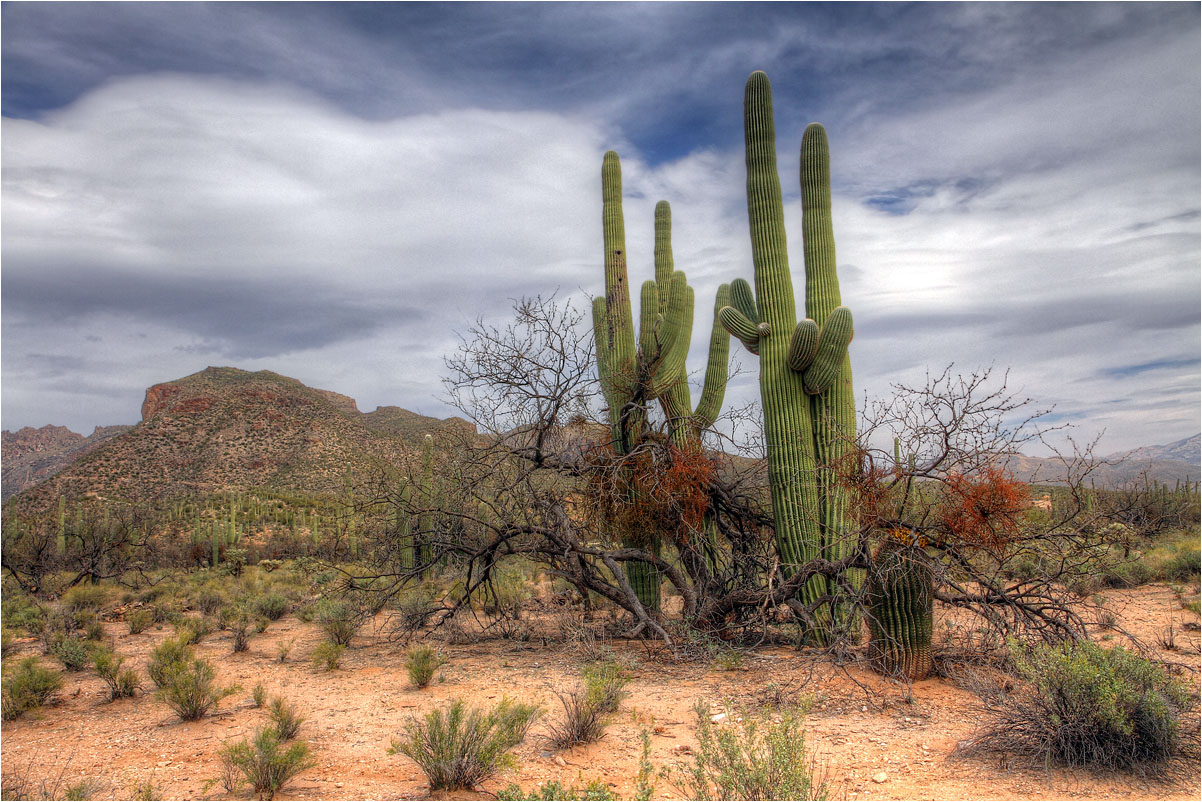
(334, 191)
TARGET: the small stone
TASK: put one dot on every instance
(717, 719)
(559, 761)
(864, 709)
(880, 777)
(682, 749)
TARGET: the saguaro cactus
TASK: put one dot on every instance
(634, 373)
(425, 520)
(900, 596)
(805, 372)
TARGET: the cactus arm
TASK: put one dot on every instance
(649, 317)
(742, 297)
(716, 366)
(664, 263)
(832, 352)
(803, 347)
(738, 324)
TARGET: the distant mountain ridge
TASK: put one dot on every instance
(225, 429)
(1167, 464)
(32, 455)
(228, 429)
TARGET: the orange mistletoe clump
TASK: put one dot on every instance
(660, 491)
(983, 508)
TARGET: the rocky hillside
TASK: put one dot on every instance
(32, 455)
(1165, 463)
(228, 429)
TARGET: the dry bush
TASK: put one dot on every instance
(459, 748)
(1084, 705)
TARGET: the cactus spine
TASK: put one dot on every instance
(805, 372)
(636, 372)
(900, 596)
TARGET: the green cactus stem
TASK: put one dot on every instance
(635, 371)
(805, 373)
(900, 599)
(425, 520)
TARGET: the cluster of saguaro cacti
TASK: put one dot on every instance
(635, 371)
(900, 597)
(414, 547)
(805, 371)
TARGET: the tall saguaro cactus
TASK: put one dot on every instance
(805, 371)
(635, 371)
(425, 521)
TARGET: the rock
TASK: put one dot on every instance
(682, 749)
(559, 761)
(880, 777)
(717, 719)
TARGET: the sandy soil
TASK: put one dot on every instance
(877, 740)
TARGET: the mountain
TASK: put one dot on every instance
(228, 429)
(32, 455)
(1166, 464)
(1188, 450)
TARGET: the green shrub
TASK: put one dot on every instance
(264, 764)
(85, 597)
(166, 658)
(594, 791)
(422, 662)
(1186, 564)
(752, 756)
(122, 682)
(459, 748)
(29, 686)
(282, 649)
(7, 641)
(20, 611)
(327, 656)
(338, 620)
(139, 620)
(209, 600)
(189, 689)
(271, 606)
(1087, 705)
(259, 695)
(285, 718)
(605, 684)
(729, 660)
(192, 630)
(74, 653)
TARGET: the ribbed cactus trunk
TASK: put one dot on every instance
(425, 521)
(635, 372)
(833, 411)
(900, 599)
(805, 372)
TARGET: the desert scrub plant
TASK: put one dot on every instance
(29, 686)
(238, 621)
(338, 620)
(73, 652)
(259, 695)
(1085, 705)
(192, 630)
(271, 606)
(605, 685)
(282, 649)
(121, 682)
(264, 763)
(285, 718)
(139, 621)
(165, 659)
(327, 656)
(189, 690)
(583, 720)
(422, 662)
(85, 597)
(458, 748)
(594, 790)
(752, 756)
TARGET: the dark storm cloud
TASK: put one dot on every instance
(247, 318)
